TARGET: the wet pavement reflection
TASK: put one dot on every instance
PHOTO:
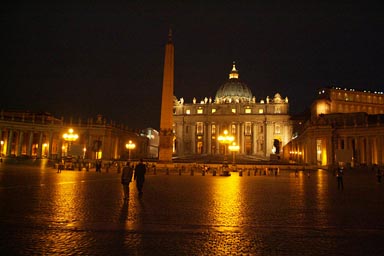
(78, 212)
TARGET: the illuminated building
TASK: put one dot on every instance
(40, 135)
(260, 127)
(344, 127)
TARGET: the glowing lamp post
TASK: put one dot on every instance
(225, 139)
(130, 145)
(233, 148)
(69, 138)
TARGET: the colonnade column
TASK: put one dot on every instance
(2, 146)
(29, 149)
(9, 143)
(40, 146)
(380, 149)
(50, 144)
(20, 143)
(59, 149)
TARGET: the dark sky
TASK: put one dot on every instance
(81, 60)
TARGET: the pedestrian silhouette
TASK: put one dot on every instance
(60, 166)
(379, 172)
(140, 171)
(126, 178)
(339, 177)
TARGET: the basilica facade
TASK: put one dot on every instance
(259, 128)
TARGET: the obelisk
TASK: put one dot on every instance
(166, 119)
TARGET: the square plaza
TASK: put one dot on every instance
(83, 213)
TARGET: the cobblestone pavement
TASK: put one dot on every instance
(83, 213)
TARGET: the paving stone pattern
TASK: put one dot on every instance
(43, 212)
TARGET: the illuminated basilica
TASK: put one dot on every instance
(260, 128)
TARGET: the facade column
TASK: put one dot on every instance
(20, 143)
(40, 146)
(363, 155)
(238, 137)
(9, 143)
(254, 138)
(1, 146)
(242, 141)
(193, 138)
(205, 138)
(60, 149)
(209, 138)
(218, 132)
(179, 139)
(380, 142)
(29, 149)
(50, 144)
(266, 137)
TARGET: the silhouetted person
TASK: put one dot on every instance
(60, 167)
(379, 172)
(140, 175)
(126, 178)
(98, 166)
(339, 176)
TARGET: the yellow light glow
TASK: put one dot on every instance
(227, 204)
(234, 147)
(226, 139)
(324, 157)
(321, 108)
(130, 145)
(70, 136)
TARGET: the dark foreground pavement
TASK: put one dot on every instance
(83, 213)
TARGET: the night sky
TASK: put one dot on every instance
(81, 60)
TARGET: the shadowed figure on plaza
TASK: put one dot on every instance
(126, 178)
(339, 177)
(140, 171)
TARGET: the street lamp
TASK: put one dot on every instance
(130, 145)
(233, 148)
(225, 140)
(69, 138)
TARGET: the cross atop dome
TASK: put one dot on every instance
(234, 74)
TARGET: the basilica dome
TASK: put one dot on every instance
(233, 91)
